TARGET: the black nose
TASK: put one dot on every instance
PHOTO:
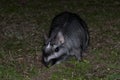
(48, 64)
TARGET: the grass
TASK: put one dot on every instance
(21, 36)
(72, 72)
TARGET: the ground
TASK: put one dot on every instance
(22, 23)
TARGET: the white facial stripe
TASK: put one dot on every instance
(54, 46)
(52, 57)
(55, 55)
(48, 46)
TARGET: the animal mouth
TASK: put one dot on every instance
(50, 63)
(53, 61)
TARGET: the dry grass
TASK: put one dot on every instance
(21, 29)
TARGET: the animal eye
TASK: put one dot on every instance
(56, 49)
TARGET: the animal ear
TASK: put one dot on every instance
(60, 38)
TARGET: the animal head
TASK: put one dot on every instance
(54, 51)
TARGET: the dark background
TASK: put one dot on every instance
(22, 23)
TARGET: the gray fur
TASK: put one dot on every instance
(69, 35)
